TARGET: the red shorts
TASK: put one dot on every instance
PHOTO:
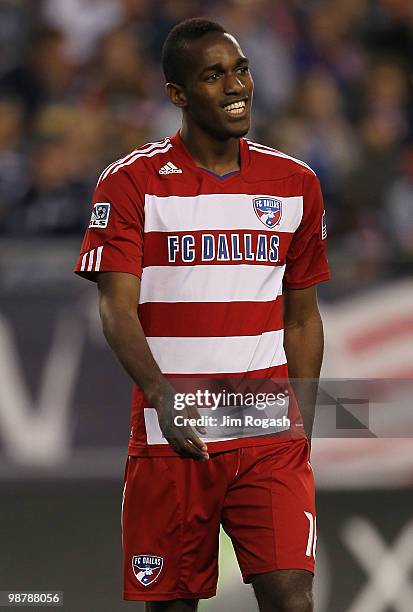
(173, 508)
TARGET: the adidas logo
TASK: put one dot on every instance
(169, 168)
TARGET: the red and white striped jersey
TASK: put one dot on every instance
(213, 254)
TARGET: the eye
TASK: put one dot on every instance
(213, 77)
(243, 69)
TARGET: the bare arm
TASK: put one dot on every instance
(304, 346)
(118, 307)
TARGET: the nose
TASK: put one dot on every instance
(232, 84)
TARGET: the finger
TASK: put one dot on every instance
(200, 455)
(181, 448)
(187, 433)
(187, 450)
(190, 442)
(194, 414)
(184, 442)
(199, 444)
(178, 438)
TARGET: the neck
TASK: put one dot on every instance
(219, 156)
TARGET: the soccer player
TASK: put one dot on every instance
(194, 241)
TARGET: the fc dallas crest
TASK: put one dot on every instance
(268, 211)
(147, 568)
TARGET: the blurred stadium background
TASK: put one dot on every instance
(81, 85)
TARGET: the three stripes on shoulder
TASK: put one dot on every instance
(162, 146)
(153, 148)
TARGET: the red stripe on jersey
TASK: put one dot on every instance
(208, 247)
(210, 319)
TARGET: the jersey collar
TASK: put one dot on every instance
(181, 150)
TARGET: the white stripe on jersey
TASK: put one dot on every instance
(149, 147)
(218, 355)
(255, 146)
(98, 258)
(164, 149)
(82, 267)
(91, 257)
(216, 211)
(211, 283)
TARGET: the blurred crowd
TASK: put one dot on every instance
(81, 85)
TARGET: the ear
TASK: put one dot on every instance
(176, 94)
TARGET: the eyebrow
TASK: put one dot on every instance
(219, 66)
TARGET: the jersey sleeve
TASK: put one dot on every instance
(306, 262)
(113, 241)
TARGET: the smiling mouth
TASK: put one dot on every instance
(236, 108)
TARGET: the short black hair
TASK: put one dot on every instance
(174, 47)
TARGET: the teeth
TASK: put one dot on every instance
(235, 108)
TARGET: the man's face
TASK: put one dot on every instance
(218, 86)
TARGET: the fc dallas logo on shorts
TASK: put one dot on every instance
(147, 568)
(268, 211)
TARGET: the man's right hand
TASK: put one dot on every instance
(182, 438)
(118, 300)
